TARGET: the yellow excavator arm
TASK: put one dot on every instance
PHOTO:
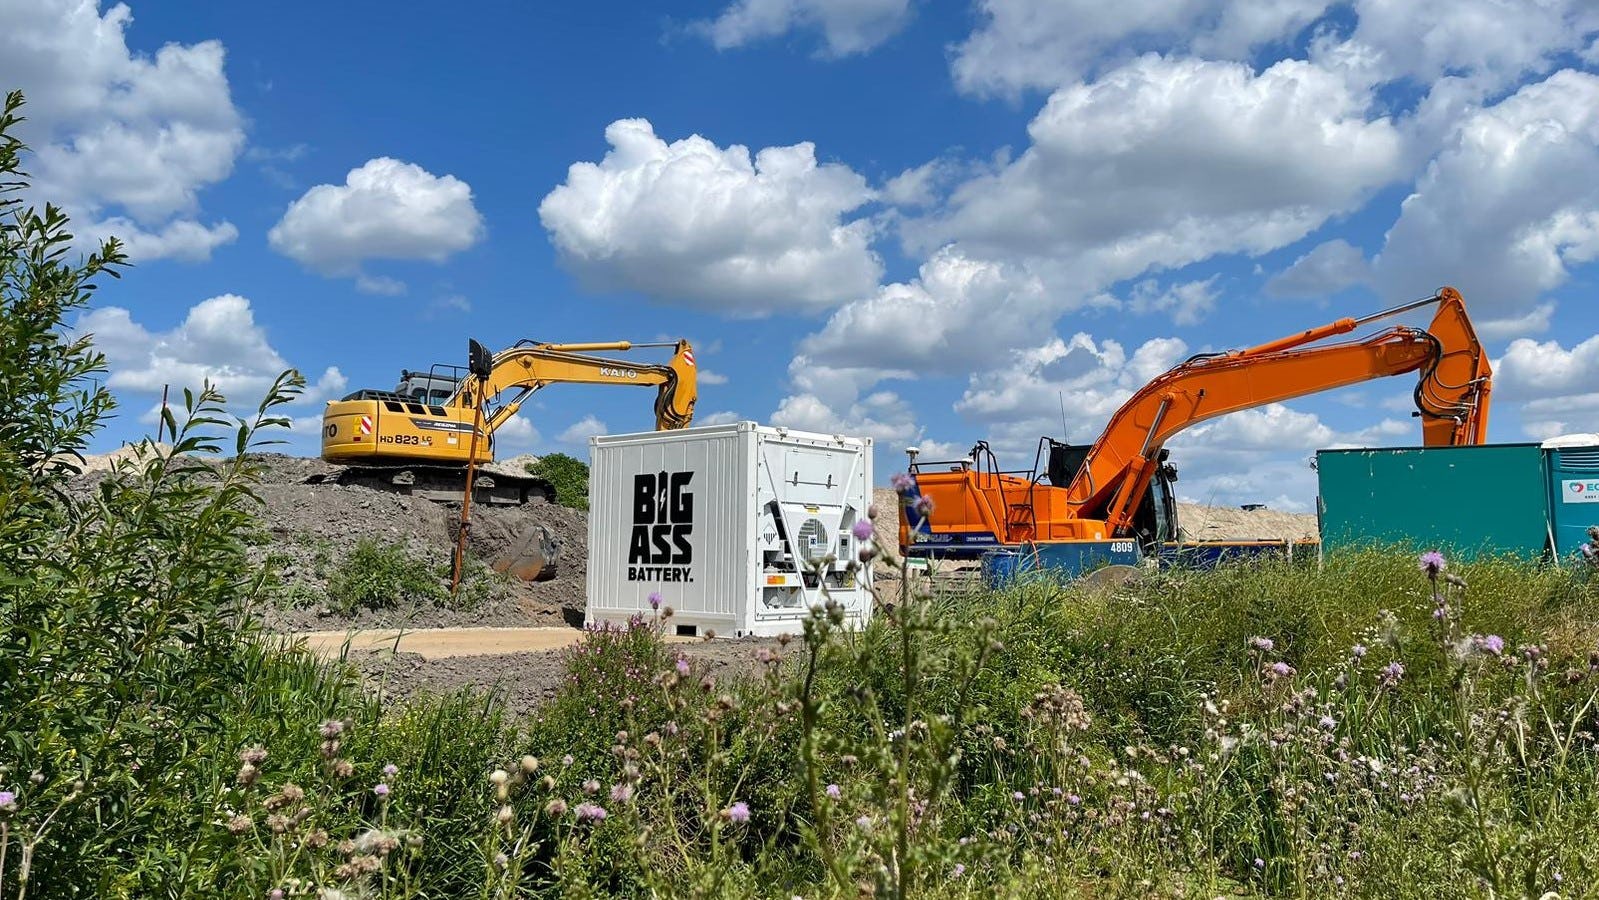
(527, 369)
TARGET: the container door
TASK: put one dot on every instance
(1574, 508)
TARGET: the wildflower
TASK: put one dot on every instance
(566, 760)
(1260, 863)
(589, 812)
(1073, 799)
(591, 786)
(1391, 673)
(239, 824)
(923, 506)
(1358, 651)
(332, 729)
(1492, 643)
(960, 869)
(864, 822)
(253, 756)
(530, 764)
(655, 599)
(391, 770)
(738, 813)
(8, 801)
(833, 791)
(1261, 643)
(1018, 796)
(1281, 669)
(1328, 723)
(381, 790)
(276, 894)
(506, 814)
(682, 666)
(902, 483)
(621, 793)
(555, 808)
(344, 768)
(1432, 563)
(862, 530)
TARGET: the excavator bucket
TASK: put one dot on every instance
(532, 556)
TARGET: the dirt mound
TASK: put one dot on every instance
(1226, 523)
(314, 531)
(105, 462)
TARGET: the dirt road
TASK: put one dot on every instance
(442, 643)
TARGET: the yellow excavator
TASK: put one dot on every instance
(429, 436)
(418, 438)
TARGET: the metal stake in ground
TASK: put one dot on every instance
(481, 366)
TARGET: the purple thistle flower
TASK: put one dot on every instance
(1391, 673)
(739, 812)
(1328, 723)
(1432, 563)
(1018, 796)
(1261, 643)
(1281, 669)
(391, 770)
(8, 800)
(923, 506)
(590, 812)
(1359, 650)
(1493, 643)
(902, 482)
(1073, 799)
(960, 869)
(381, 790)
(682, 666)
(833, 791)
(862, 529)
(621, 793)
(1260, 863)
(655, 599)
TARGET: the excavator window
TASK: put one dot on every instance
(391, 406)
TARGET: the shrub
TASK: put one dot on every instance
(570, 477)
(381, 576)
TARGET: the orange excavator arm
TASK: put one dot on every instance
(1452, 396)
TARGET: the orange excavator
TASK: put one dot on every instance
(1111, 501)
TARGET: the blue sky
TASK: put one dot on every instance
(927, 223)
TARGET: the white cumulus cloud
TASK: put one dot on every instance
(386, 209)
(579, 432)
(1328, 268)
(847, 26)
(1165, 162)
(704, 227)
(1025, 44)
(1509, 206)
(218, 340)
(125, 142)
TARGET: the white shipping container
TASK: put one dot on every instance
(727, 522)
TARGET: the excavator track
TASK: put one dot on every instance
(444, 484)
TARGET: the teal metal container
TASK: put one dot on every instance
(1573, 495)
(1468, 501)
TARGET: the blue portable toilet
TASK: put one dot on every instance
(1573, 466)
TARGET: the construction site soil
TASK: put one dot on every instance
(315, 528)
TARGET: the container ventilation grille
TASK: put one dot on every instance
(812, 540)
(1580, 459)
